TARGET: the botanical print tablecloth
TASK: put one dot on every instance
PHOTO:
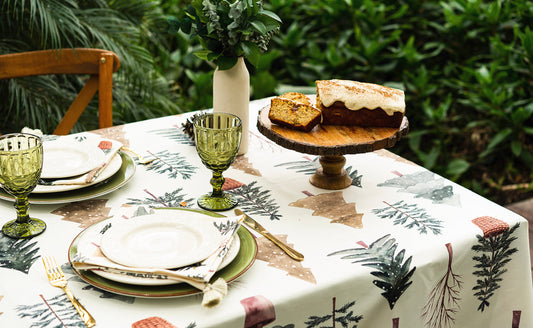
(400, 247)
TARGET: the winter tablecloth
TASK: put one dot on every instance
(400, 247)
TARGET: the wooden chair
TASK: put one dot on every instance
(99, 64)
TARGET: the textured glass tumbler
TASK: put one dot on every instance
(21, 162)
(217, 137)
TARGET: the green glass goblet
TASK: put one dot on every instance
(21, 162)
(217, 137)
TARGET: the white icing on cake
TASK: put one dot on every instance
(356, 95)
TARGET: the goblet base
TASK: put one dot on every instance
(217, 203)
(17, 230)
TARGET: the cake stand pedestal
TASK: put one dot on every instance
(331, 143)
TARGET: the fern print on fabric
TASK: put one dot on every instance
(424, 184)
(409, 216)
(174, 198)
(174, 165)
(52, 313)
(17, 254)
(174, 134)
(309, 167)
(391, 271)
(255, 201)
(443, 301)
(494, 252)
(340, 317)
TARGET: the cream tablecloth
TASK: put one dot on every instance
(400, 247)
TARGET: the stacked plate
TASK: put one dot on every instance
(169, 239)
(65, 158)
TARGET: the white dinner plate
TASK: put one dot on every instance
(109, 171)
(132, 280)
(160, 241)
(62, 159)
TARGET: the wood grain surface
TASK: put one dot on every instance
(331, 140)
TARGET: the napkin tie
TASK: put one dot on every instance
(214, 293)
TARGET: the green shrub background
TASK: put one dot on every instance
(465, 66)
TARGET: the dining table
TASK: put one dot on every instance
(399, 247)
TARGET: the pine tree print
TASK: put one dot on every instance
(56, 312)
(392, 272)
(85, 212)
(171, 164)
(443, 301)
(17, 254)
(332, 205)
(425, 185)
(269, 252)
(495, 252)
(255, 201)
(410, 216)
(169, 199)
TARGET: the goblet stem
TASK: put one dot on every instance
(22, 206)
(217, 181)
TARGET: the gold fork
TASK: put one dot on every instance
(140, 158)
(57, 279)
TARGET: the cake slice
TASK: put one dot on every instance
(345, 102)
(294, 110)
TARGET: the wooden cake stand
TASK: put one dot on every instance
(331, 143)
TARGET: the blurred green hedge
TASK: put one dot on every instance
(465, 65)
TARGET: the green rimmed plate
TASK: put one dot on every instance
(242, 262)
(123, 176)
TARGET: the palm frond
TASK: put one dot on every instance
(122, 26)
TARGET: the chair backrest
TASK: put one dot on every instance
(98, 63)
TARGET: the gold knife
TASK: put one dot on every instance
(259, 228)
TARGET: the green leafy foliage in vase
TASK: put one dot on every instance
(495, 252)
(228, 29)
(392, 272)
(17, 254)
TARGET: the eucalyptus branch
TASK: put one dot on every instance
(228, 29)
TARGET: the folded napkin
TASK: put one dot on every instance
(198, 275)
(108, 146)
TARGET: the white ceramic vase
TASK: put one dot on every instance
(231, 94)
